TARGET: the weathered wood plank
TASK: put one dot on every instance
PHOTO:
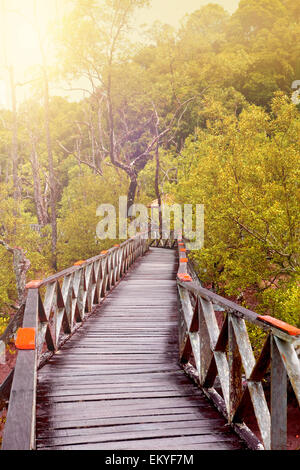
(292, 364)
(80, 428)
(235, 371)
(197, 442)
(127, 433)
(122, 368)
(278, 400)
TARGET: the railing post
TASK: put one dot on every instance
(278, 399)
(51, 319)
(19, 430)
(235, 371)
(205, 349)
(228, 353)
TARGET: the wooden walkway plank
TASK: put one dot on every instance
(116, 384)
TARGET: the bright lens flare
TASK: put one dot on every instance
(19, 39)
(19, 44)
(22, 48)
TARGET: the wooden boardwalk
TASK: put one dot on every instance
(116, 384)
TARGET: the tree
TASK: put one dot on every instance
(52, 184)
(34, 135)
(77, 223)
(95, 45)
(21, 265)
(244, 170)
(14, 143)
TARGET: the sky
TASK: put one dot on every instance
(18, 38)
(172, 11)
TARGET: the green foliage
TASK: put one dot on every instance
(284, 300)
(245, 170)
(234, 147)
(4, 320)
(16, 231)
(167, 176)
(78, 220)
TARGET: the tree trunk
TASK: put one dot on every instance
(21, 265)
(51, 171)
(14, 324)
(49, 144)
(41, 210)
(131, 192)
(14, 144)
(157, 192)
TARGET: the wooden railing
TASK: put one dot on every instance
(54, 310)
(214, 347)
(164, 239)
(216, 352)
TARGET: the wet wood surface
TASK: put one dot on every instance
(116, 384)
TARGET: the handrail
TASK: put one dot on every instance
(164, 239)
(55, 308)
(220, 359)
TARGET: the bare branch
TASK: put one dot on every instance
(259, 237)
(6, 246)
(83, 162)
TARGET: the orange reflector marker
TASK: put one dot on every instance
(33, 284)
(289, 329)
(183, 250)
(79, 263)
(104, 252)
(180, 244)
(25, 338)
(116, 246)
(183, 260)
(184, 277)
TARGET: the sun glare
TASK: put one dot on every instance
(22, 49)
(19, 41)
